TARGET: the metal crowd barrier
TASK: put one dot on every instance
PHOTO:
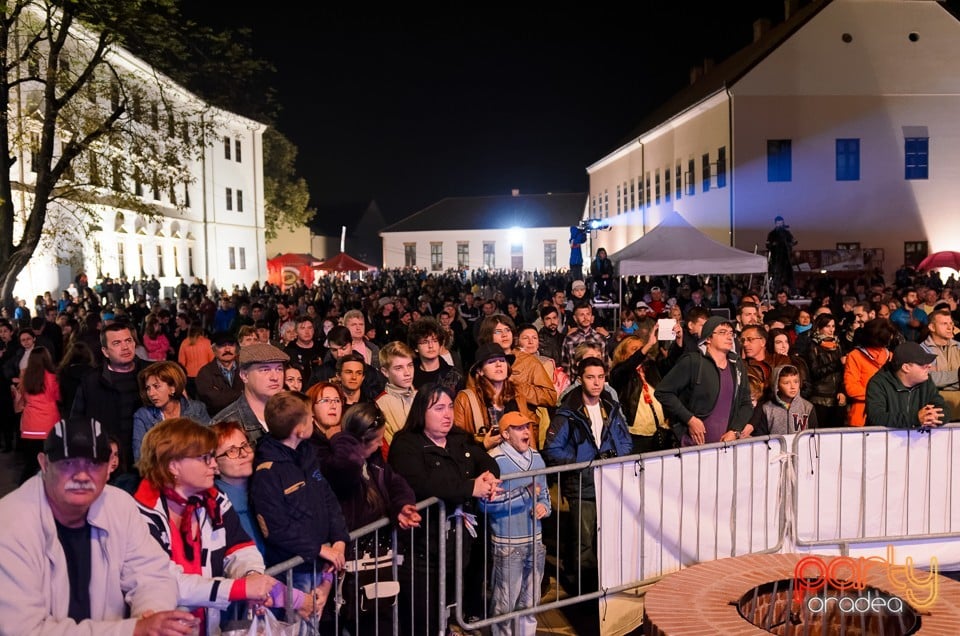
(669, 511)
(877, 485)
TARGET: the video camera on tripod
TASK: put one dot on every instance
(593, 225)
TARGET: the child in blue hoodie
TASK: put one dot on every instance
(514, 516)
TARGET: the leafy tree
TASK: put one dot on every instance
(286, 195)
(88, 128)
(92, 128)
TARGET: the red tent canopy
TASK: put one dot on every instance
(286, 269)
(343, 262)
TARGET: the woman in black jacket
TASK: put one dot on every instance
(825, 364)
(439, 460)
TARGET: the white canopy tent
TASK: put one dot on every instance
(676, 247)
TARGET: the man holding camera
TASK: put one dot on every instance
(589, 425)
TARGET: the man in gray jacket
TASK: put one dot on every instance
(942, 344)
(76, 553)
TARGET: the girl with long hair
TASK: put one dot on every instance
(39, 393)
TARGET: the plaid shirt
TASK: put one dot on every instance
(573, 340)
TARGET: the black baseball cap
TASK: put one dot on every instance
(77, 437)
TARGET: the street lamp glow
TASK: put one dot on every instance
(515, 235)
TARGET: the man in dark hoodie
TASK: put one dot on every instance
(903, 395)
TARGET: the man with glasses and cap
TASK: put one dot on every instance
(79, 559)
(218, 383)
(706, 395)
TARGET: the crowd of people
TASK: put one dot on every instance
(251, 427)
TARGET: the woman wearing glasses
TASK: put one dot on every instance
(214, 560)
(327, 402)
(234, 457)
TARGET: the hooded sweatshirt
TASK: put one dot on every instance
(775, 416)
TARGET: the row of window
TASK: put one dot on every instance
(489, 255)
(160, 271)
(232, 257)
(239, 199)
(236, 152)
(660, 185)
(916, 159)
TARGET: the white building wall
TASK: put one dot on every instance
(532, 240)
(179, 231)
(893, 79)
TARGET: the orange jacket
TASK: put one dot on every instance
(861, 365)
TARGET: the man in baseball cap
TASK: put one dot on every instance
(261, 371)
(903, 395)
(76, 552)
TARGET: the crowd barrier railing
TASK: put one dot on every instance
(661, 512)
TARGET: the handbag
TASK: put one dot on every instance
(263, 624)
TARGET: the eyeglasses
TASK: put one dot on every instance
(748, 338)
(235, 452)
(206, 458)
(328, 401)
(502, 332)
(722, 332)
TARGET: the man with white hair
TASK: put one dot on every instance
(77, 557)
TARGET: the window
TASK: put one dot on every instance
(606, 204)
(155, 116)
(619, 209)
(236, 150)
(185, 131)
(143, 272)
(705, 159)
(186, 194)
(409, 254)
(691, 179)
(121, 259)
(667, 174)
(489, 254)
(155, 185)
(232, 257)
(93, 169)
(226, 148)
(463, 254)
(117, 176)
(656, 186)
(779, 163)
(848, 159)
(722, 167)
(633, 194)
(190, 260)
(172, 193)
(137, 182)
(176, 261)
(550, 254)
(436, 256)
(243, 257)
(516, 256)
(679, 177)
(239, 200)
(160, 260)
(137, 107)
(114, 96)
(914, 252)
(917, 151)
(229, 198)
(649, 199)
(34, 151)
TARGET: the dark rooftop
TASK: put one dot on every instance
(496, 213)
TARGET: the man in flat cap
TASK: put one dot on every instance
(261, 371)
(78, 559)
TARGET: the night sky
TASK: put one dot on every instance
(408, 109)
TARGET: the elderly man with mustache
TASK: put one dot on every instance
(76, 554)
